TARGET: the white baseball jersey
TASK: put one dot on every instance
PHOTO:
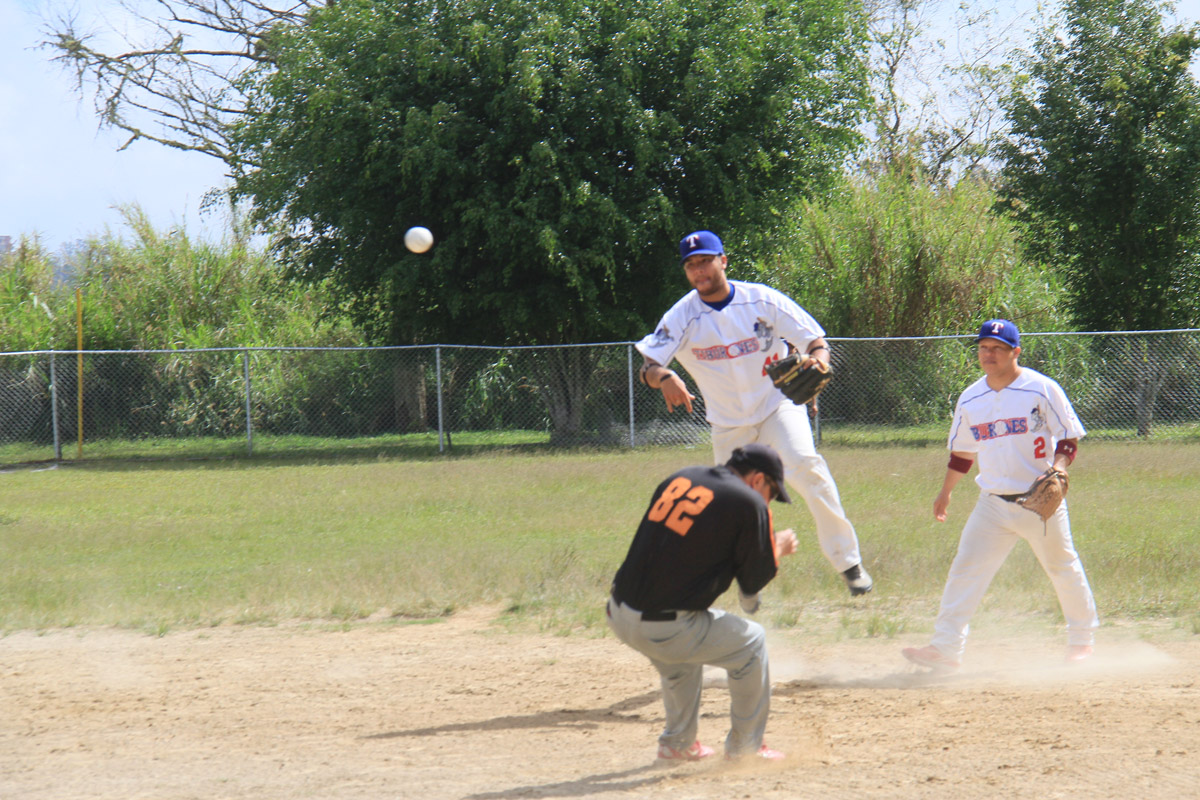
(1013, 431)
(726, 348)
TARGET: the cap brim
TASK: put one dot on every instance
(783, 495)
(701, 253)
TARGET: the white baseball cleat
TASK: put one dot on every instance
(858, 580)
(931, 657)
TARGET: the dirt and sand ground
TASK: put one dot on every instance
(466, 709)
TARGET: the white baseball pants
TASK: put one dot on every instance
(788, 431)
(987, 538)
(679, 649)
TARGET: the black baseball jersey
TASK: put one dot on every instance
(704, 528)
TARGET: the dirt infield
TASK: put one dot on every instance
(463, 709)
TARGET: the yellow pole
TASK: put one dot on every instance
(79, 370)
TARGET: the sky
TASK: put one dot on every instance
(62, 178)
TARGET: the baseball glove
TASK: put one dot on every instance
(799, 377)
(1045, 494)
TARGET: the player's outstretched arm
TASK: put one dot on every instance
(674, 390)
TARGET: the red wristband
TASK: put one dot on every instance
(960, 464)
(1067, 449)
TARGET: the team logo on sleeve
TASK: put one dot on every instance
(1038, 418)
(662, 337)
(998, 428)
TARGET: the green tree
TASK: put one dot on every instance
(556, 148)
(1103, 165)
(1104, 170)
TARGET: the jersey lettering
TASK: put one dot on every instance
(1001, 427)
(1039, 447)
(722, 352)
(678, 504)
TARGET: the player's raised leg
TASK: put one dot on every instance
(789, 432)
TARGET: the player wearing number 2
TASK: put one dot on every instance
(725, 333)
(705, 528)
(1015, 422)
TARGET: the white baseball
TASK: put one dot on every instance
(418, 239)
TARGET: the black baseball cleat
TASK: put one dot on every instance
(858, 580)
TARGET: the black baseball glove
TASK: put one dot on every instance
(799, 377)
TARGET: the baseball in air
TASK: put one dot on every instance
(418, 239)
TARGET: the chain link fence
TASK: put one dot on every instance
(255, 401)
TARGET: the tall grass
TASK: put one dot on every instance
(895, 254)
(28, 298)
(152, 289)
(166, 545)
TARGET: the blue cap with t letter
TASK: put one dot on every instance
(1001, 330)
(700, 243)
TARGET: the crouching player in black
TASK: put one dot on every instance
(706, 527)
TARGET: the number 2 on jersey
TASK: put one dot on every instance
(678, 504)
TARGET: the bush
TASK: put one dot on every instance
(894, 255)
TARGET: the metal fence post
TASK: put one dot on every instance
(629, 359)
(54, 409)
(441, 430)
(249, 422)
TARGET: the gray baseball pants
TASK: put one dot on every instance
(679, 649)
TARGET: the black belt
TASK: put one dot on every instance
(650, 616)
(1009, 498)
(658, 616)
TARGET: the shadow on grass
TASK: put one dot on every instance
(307, 457)
(300, 451)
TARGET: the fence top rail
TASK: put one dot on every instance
(1023, 334)
(966, 336)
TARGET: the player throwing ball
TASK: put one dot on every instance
(725, 333)
(705, 527)
(1016, 423)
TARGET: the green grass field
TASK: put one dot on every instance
(165, 545)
